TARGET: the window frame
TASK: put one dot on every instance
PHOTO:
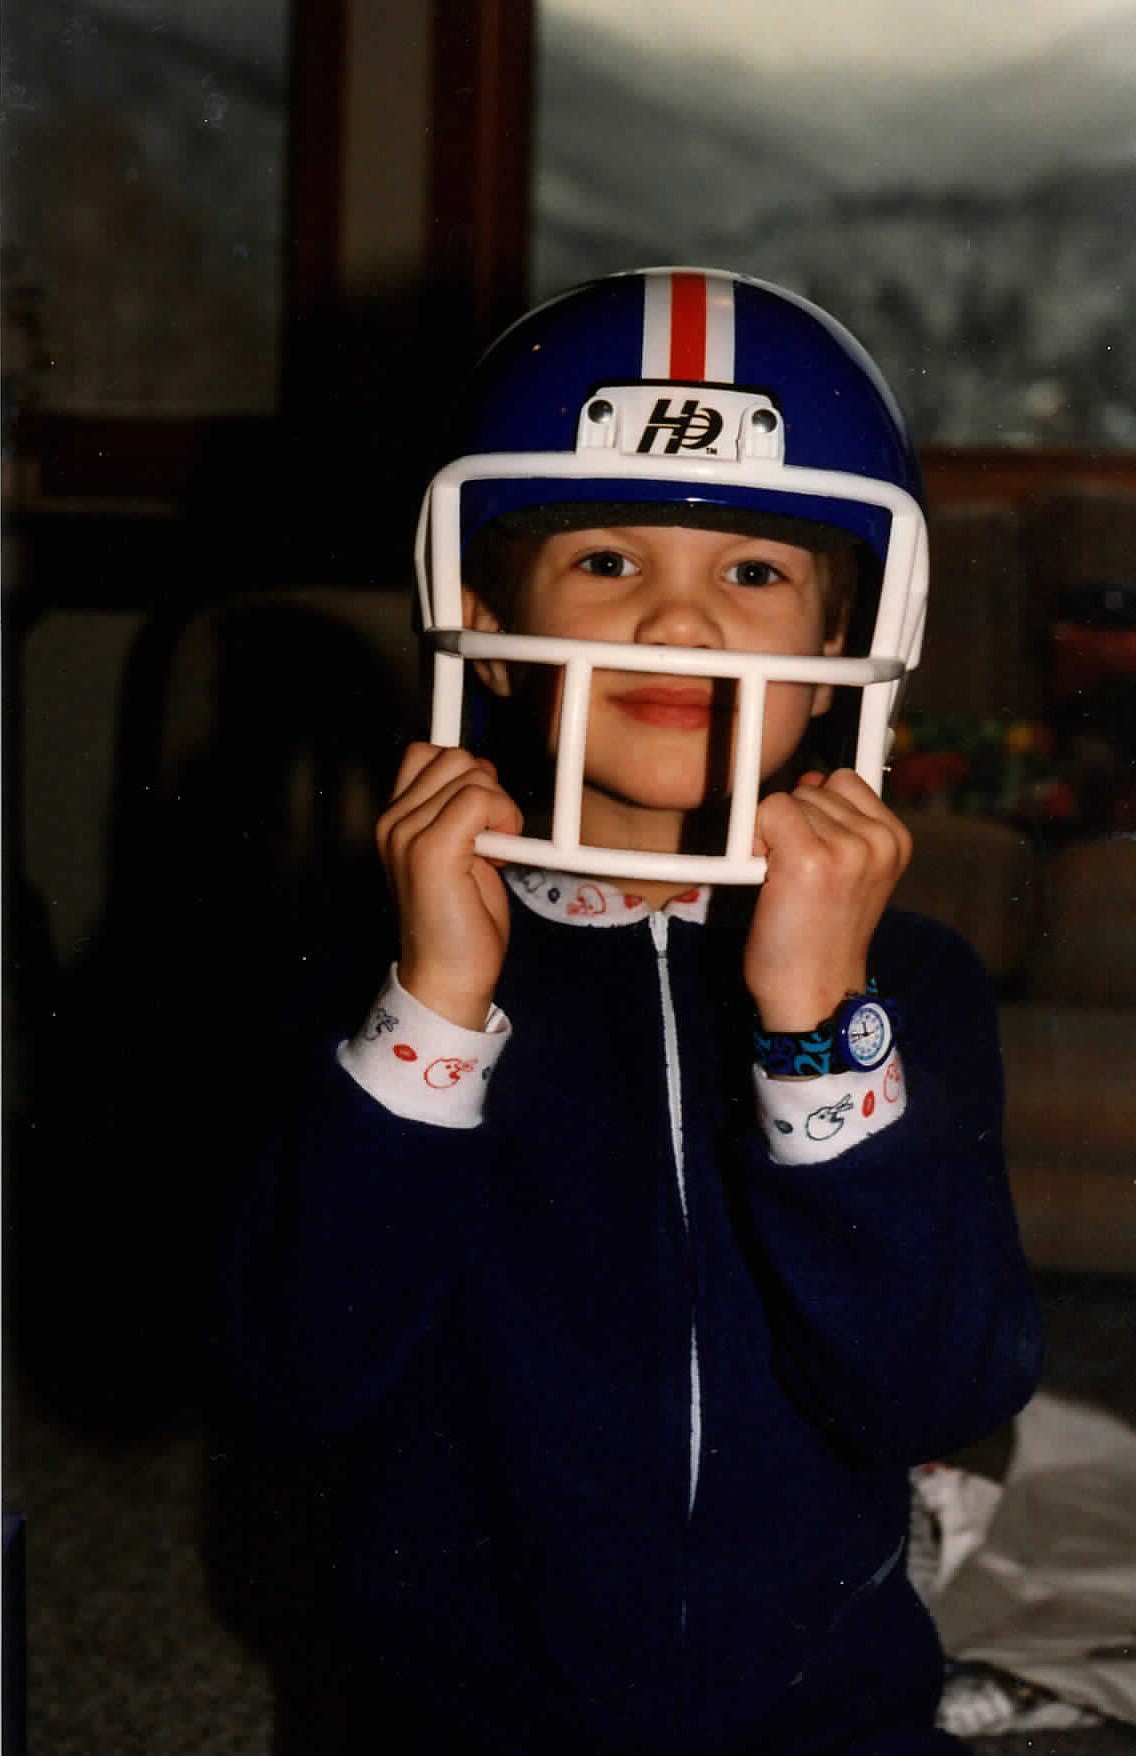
(475, 260)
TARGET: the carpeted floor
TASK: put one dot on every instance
(127, 1655)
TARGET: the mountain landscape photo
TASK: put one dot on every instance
(976, 231)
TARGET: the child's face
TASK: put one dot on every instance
(658, 747)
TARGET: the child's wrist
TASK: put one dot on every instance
(469, 1009)
(800, 1007)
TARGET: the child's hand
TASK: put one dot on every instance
(835, 855)
(452, 904)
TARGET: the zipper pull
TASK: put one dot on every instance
(659, 924)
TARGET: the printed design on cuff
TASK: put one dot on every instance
(808, 1122)
(445, 1072)
(442, 1072)
(823, 1123)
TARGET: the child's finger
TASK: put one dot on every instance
(827, 812)
(450, 832)
(782, 825)
(415, 813)
(846, 785)
(415, 816)
(810, 827)
(426, 769)
(776, 809)
(416, 757)
(846, 804)
(460, 810)
(420, 756)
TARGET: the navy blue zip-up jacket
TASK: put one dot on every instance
(499, 1320)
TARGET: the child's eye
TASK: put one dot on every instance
(607, 563)
(753, 573)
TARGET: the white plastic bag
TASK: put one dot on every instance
(1038, 1578)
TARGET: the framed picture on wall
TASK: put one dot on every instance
(145, 159)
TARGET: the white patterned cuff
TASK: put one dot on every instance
(809, 1120)
(419, 1065)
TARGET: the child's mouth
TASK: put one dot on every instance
(685, 710)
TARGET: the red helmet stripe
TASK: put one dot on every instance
(688, 327)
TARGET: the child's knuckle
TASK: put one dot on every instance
(854, 856)
(814, 866)
(400, 839)
(880, 841)
(420, 855)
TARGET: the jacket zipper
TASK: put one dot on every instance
(659, 929)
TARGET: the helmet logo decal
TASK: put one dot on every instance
(662, 419)
(694, 428)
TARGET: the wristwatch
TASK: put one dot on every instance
(863, 1033)
(855, 1039)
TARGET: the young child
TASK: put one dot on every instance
(650, 1229)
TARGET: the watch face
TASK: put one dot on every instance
(866, 1034)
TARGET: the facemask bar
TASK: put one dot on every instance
(895, 649)
(579, 660)
(438, 544)
(899, 629)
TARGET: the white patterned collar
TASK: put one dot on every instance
(592, 902)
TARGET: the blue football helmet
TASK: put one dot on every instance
(694, 396)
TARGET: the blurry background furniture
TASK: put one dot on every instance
(1057, 931)
(1016, 769)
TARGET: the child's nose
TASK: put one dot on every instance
(677, 616)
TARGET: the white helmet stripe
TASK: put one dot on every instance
(719, 330)
(688, 327)
(657, 326)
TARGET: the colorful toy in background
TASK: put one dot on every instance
(1093, 691)
(988, 767)
(1072, 773)
(1094, 642)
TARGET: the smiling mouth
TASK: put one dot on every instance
(684, 710)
